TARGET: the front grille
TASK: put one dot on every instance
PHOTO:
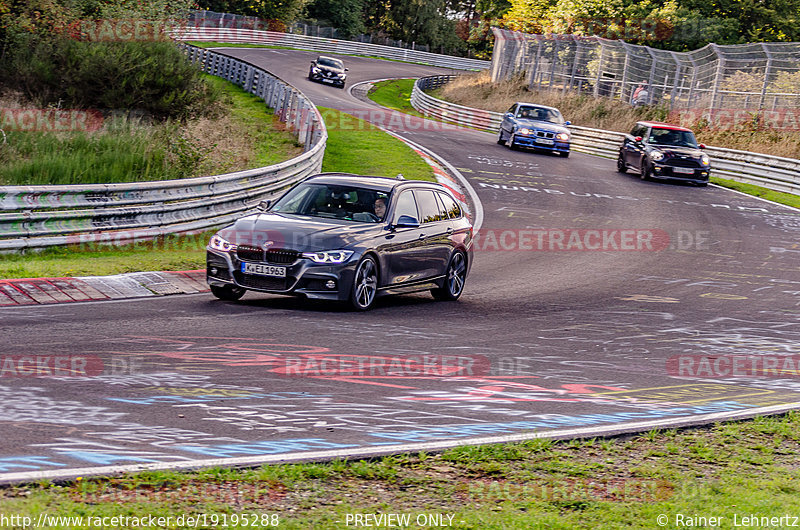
(281, 256)
(255, 281)
(249, 253)
(273, 256)
(543, 134)
(684, 162)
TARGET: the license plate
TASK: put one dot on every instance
(544, 141)
(684, 170)
(326, 80)
(263, 270)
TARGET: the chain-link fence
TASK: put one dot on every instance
(717, 80)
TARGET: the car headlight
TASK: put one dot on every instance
(314, 70)
(564, 137)
(656, 155)
(329, 256)
(342, 75)
(525, 131)
(705, 160)
(218, 243)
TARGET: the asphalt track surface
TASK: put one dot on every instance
(587, 331)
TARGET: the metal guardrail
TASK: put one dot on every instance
(772, 172)
(320, 44)
(43, 216)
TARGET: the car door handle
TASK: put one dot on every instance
(422, 236)
(450, 230)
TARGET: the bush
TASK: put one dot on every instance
(154, 78)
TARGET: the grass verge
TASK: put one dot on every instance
(357, 146)
(395, 94)
(751, 189)
(354, 146)
(729, 471)
(240, 133)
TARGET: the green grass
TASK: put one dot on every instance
(271, 142)
(758, 191)
(395, 94)
(725, 470)
(170, 253)
(134, 150)
(124, 151)
(356, 146)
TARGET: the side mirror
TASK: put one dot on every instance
(702, 146)
(568, 123)
(346, 69)
(264, 205)
(407, 221)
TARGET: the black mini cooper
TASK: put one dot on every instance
(662, 151)
(337, 236)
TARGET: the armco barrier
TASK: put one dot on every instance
(772, 172)
(42, 216)
(320, 44)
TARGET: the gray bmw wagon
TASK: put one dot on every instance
(337, 236)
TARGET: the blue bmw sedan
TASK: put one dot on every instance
(535, 127)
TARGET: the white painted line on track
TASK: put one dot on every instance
(373, 451)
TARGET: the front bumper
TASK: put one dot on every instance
(303, 277)
(668, 172)
(337, 81)
(535, 142)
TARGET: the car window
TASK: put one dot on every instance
(451, 206)
(333, 201)
(406, 205)
(672, 137)
(332, 63)
(540, 114)
(512, 108)
(639, 130)
(443, 214)
(428, 206)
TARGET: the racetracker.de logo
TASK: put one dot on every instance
(733, 366)
(580, 240)
(347, 365)
(50, 120)
(50, 365)
(117, 30)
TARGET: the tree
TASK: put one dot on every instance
(345, 15)
(285, 11)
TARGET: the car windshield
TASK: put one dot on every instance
(334, 201)
(672, 137)
(540, 114)
(331, 63)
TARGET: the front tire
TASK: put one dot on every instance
(621, 167)
(229, 293)
(646, 173)
(565, 154)
(454, 280)
(500, 139)
(365, 284)
(510, 142)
